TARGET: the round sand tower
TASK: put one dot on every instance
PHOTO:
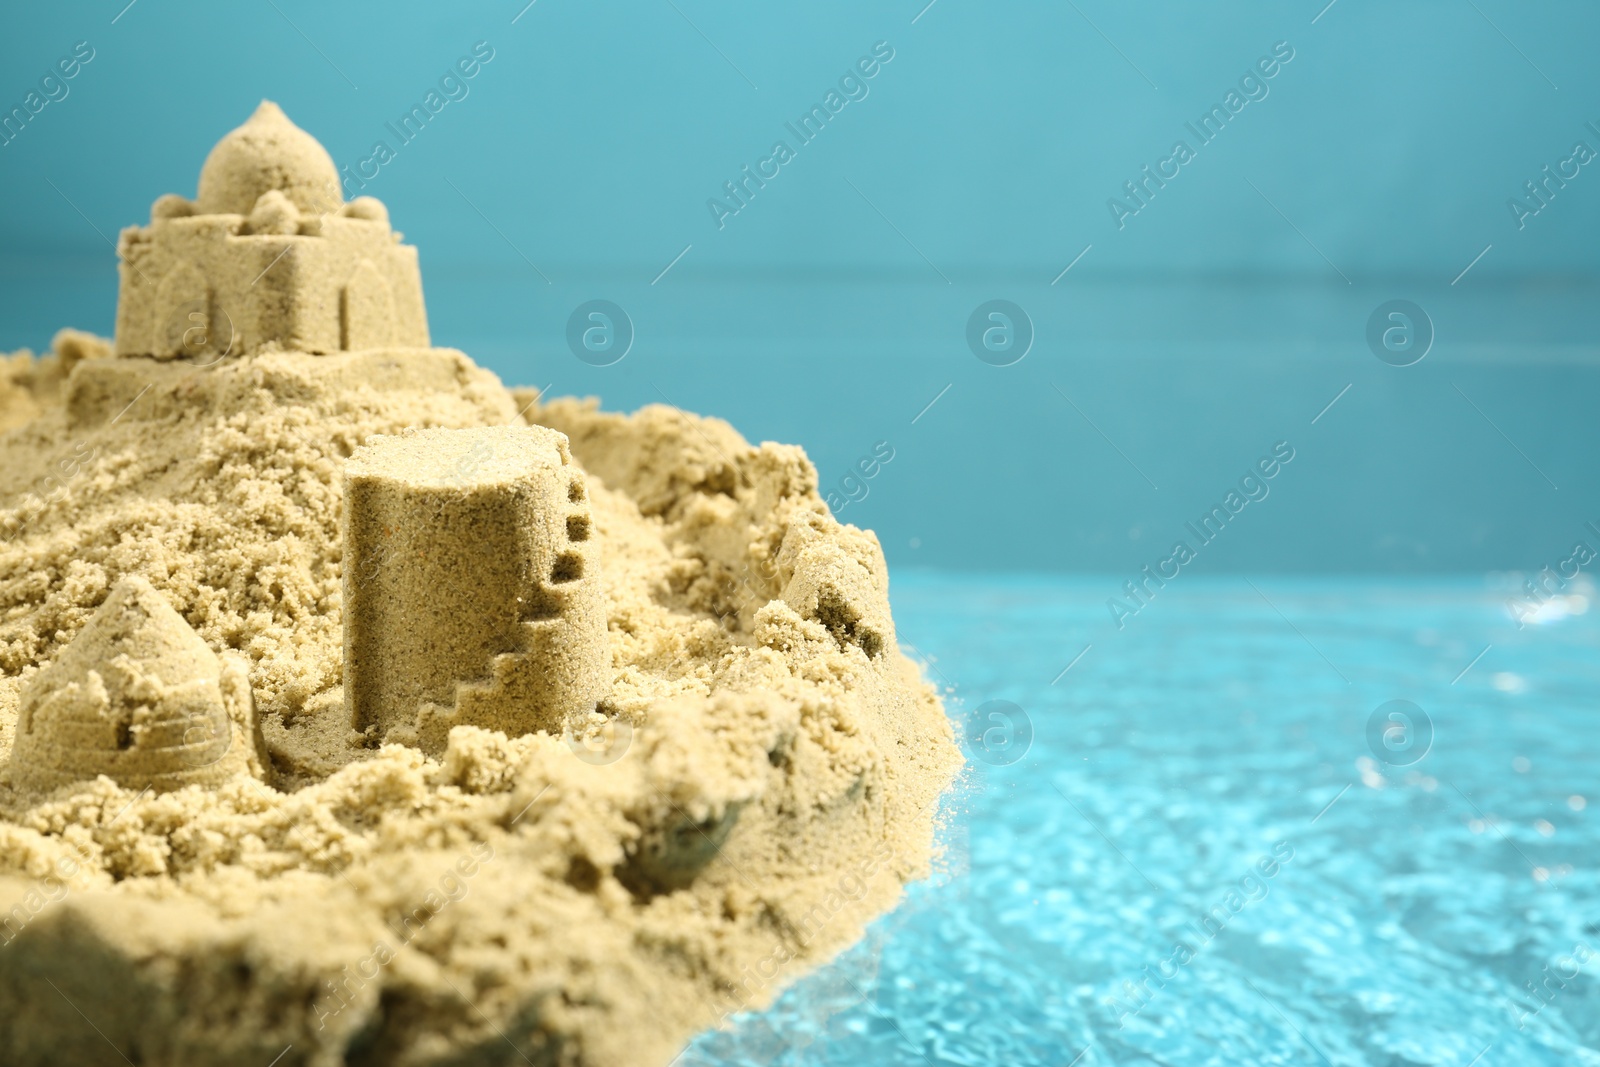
(471, 592)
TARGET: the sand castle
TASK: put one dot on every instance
(302, 621)
(472, 595)
(138, 697)
(268, 255)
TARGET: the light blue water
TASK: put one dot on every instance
(1220, 724)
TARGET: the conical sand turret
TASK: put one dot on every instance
(137, 696)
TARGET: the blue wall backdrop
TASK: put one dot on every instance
(1368, 152)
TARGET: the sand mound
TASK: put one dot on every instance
(760, 781)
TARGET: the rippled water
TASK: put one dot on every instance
(1431, 899)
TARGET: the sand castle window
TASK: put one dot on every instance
(568, 568)
(575, 492)
(577, 527)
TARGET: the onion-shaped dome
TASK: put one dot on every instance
(268, 152)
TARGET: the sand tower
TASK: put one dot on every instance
(137, 696)
(471, 592)
(268, 255)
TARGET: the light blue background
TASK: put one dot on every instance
(1218, 321)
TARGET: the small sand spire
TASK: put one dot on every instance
(137, 696)
(268, 256)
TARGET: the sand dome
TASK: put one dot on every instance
(268, 152)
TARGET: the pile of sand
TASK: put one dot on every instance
(763, 778)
